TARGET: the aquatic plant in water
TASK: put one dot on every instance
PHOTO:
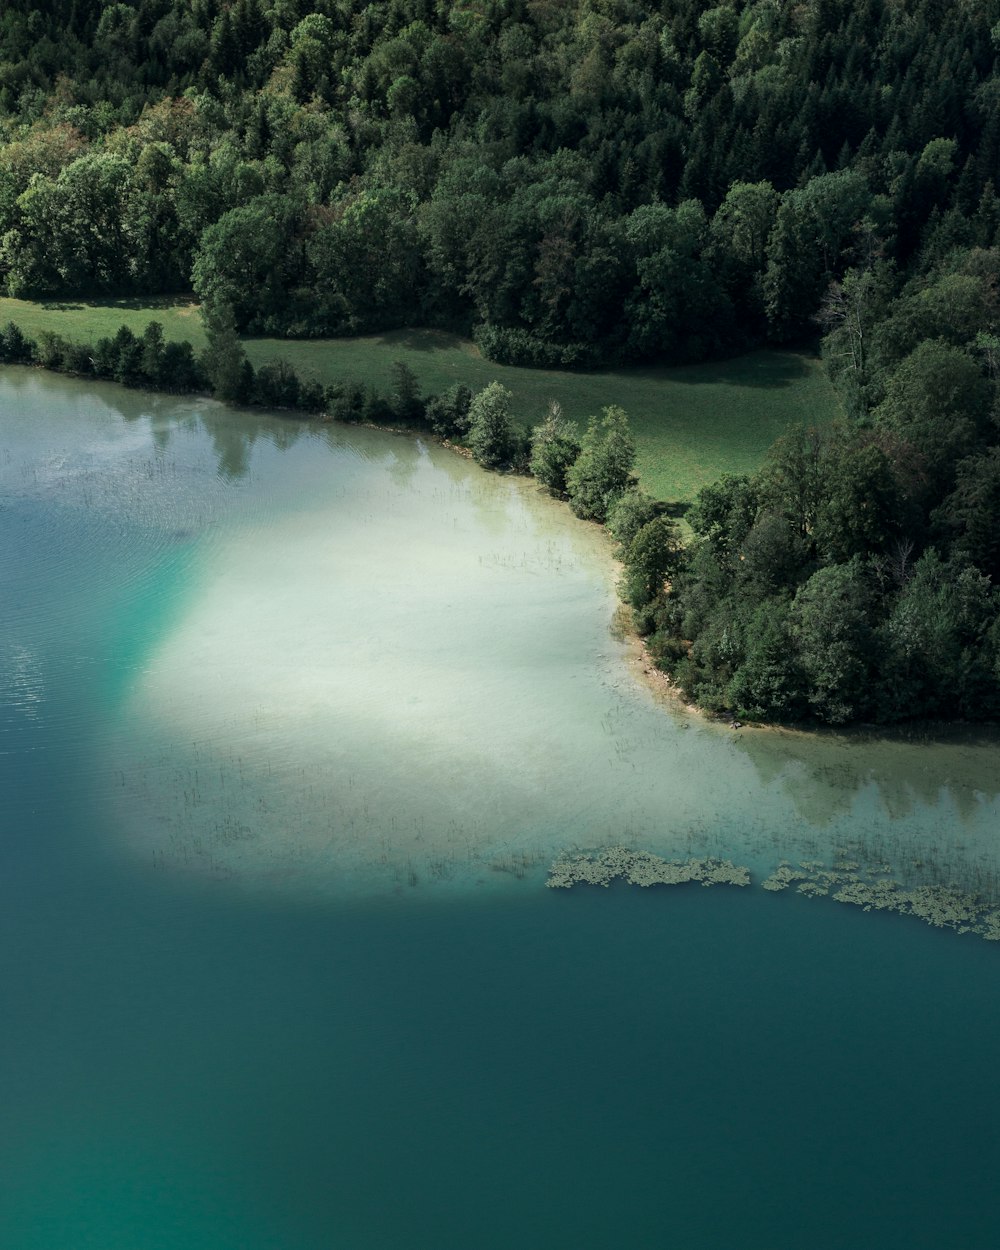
(641, 868)
(944, 906)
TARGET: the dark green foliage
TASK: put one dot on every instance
(555, 446)
(180, 370)
(511, 345)
(829, 622)
(448, 414)
(852, 577)
(407, 406)
(126, 358)
(582, 185)
(771, 557)
(246, 262)
(940, 642)
(104, 358)
(723, 514)
(223, 360)
(808, 247)
(603, 469)
(937, 400)
(362, 266)
(678, 310)
(51, 351)
(492, 437)
(860, 510)
(145, 360)
(148, 361)
(312, 395)
(276, 385)
(969, 518)
(650, 558)
(768, 683)
(791, 482)
(345, 401)
(376, 409)
(628, 514)
(152, 357)
(15, 349)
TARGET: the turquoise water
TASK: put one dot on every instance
(379, 1029)
(586, 1071)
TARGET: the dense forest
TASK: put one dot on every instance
(575, 183)
(854, 576)
(570, 180)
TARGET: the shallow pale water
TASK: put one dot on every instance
(293, 718)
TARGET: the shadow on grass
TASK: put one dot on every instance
(423, 340)
(767, 369)
(137, 303)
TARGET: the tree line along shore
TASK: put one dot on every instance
(584, 185)
(791, 595)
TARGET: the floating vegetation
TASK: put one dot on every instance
(944, 906)
(810, 878)
(870, 887)
(641, 868)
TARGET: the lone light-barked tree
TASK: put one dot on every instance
(554, 447)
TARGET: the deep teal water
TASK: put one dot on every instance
(188, 1067)
(586, 1070)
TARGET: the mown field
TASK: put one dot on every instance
(691, 424)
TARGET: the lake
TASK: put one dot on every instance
(293, 720)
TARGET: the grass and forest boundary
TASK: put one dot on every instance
(691, 424)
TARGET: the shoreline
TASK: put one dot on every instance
(911, 732)
(656, 681)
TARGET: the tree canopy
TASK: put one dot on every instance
(575, 183)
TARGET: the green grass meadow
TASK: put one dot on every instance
(691, 424)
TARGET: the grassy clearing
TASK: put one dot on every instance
(691, 424)
(87, 322)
